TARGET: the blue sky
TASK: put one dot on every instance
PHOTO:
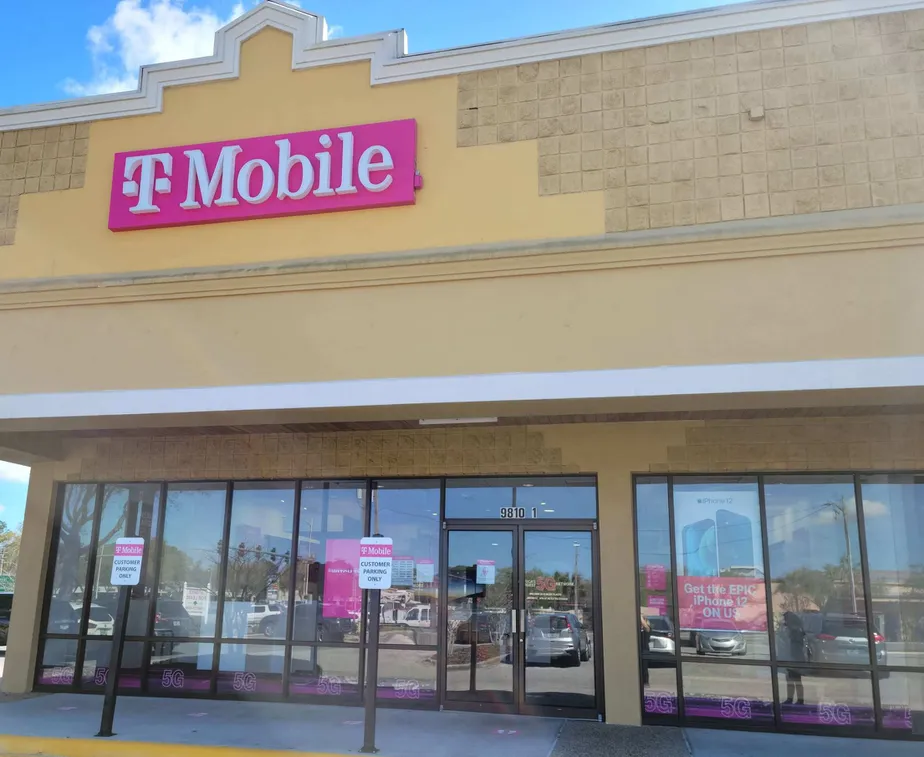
(62, 48)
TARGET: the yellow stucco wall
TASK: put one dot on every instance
(469, 197)
(831, 305)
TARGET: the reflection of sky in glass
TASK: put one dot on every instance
(410, 517)
(555, 551)
(894, 515)
(194, 521)
(261, 515)
(803, 530)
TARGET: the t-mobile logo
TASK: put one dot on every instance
(149, 183)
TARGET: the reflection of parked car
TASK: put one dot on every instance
(840, 638)
(6, 609)
(492, 625)
(725, 640)
(62, 618)
(100, 622)
(306, 626)
(172, 619)
(661, 639)
(557, 636)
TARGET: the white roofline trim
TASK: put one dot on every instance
(665, 381)
(387, 52)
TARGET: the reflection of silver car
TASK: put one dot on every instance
(555, 637)
(726, 640)
(840, 638)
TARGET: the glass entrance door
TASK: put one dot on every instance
(521, 619)
(480, 617)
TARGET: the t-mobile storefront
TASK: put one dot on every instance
(614, 332)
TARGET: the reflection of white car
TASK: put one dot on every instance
(100, 623)
(418, 617)
(661, 645)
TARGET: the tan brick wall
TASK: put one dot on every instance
(515, 450)
(835, 444)
(39, 160)
(801, 119)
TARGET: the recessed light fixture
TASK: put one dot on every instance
(454, 421)
(547, 510)
(494, 544)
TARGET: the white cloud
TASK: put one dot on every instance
(334, 31)
(16, 473)
(141, 32)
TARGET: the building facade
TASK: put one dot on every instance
(612, 331)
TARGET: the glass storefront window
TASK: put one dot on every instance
(325, 672)
(823, 634)
(408, 675)
(179, 668)
(893, 512)
(132, 509)
(659, 687)
(259, 557)
(721, 591)
(190, 561)
(75, 534)
(826, 698)
(328, 600)
(818, 602)
(96, 666)
(741, 693)
(59, 661)
(902, 696)
(565, 497)
(656, 597)
(251, 669)
(408, 512)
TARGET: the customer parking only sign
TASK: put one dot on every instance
(375, 553)
(126, 562)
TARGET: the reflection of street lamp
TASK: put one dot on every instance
(840, 511)
(577, 547)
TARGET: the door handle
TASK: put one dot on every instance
(513, 622)
(523, 622)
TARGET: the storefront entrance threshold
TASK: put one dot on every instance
(64, 725)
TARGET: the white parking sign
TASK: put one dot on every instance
(126, 562)
(375, 554)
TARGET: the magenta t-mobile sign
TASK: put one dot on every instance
(347, 168)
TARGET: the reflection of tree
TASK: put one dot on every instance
(73, 539)
(812, 589)
(252, 570)
(805, 589)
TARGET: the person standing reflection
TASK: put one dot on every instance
(794, 650)
(644, 639)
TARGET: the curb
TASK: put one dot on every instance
(21, 746)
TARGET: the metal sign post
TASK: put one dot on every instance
(126, 572)
(375, 562)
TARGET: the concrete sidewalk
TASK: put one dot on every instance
(64, 725)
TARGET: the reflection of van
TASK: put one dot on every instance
(418, 617)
